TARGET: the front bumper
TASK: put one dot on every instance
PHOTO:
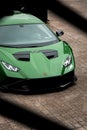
(54, 82)
(39, 84)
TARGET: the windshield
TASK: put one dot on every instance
(26, 35)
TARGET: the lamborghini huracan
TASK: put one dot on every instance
(32, 53)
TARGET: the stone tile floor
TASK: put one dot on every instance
(69, 106)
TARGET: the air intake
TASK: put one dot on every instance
(50, 54)
(22, 56)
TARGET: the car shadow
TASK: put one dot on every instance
(27, 117)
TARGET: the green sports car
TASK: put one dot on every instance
(31, 53)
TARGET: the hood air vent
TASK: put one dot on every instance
(22, 56)
(50, 54)
(25, 56)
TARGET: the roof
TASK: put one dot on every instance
(19, 18)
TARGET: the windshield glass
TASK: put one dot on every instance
(26, 35)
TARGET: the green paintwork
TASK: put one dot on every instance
(39, 65)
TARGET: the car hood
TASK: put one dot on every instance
(37, 62)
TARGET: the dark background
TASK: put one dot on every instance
(40, 9)
(35, 7)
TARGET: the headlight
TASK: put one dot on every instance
(10, 67)
(67, 61)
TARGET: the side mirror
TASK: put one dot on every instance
(59, 32)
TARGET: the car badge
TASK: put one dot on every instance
(45, 74)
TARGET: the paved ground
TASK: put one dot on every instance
(69, 106)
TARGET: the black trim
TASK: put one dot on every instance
(39, 84)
